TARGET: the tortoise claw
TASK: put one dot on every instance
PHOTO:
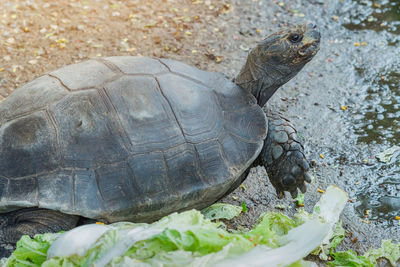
(303, 188)
(307, 177)
(280, 194)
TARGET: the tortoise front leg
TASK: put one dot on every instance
(283, 156)
(31, 221)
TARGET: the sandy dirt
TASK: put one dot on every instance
(40, 36)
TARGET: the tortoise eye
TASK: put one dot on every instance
(295, 38)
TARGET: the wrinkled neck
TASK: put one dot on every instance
(262, 80)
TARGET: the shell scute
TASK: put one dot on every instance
(194, 106)
(35, 95)
(87, 198)
(28, 146)
(83, 75)
(144, 113)
(49, 187)
(117, 188)
(137, 65)
(151, 174)
(88, 133)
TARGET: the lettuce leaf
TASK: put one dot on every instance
(270, 226)
(31, 251)
(221, 211)
(300, 200)
(337, 237)
(388, 250)
(350, 259)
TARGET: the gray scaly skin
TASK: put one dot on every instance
(269, 65)
(283, 156)
(31, 221)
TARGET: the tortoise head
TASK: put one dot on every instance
(277, 59)
(290, 47)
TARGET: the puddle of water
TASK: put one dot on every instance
(377, 120)
(380, 199)
(377, 16)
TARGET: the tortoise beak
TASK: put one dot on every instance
(311, 40)
(309, 49)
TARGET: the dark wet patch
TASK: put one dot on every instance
(374, 116)
(376, 15)
(378, 119)
(380, 199)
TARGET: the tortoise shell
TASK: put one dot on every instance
(126, 138)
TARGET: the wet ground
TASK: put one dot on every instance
(345, 103)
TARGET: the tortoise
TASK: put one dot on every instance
(136, 138)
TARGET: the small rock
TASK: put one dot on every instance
(244, 48)
(11, 40)
(313, 163)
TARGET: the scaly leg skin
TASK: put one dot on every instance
(31, 221)
(283, 156)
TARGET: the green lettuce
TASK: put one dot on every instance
(221, 211)
(270, 226)
(300, 199)
(349, 258)
(186, 239)
(388, 250)
(31, 251)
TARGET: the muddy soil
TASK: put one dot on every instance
(37, 36)
(324, 102)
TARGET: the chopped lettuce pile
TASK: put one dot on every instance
(180, 239)
(191, 239)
